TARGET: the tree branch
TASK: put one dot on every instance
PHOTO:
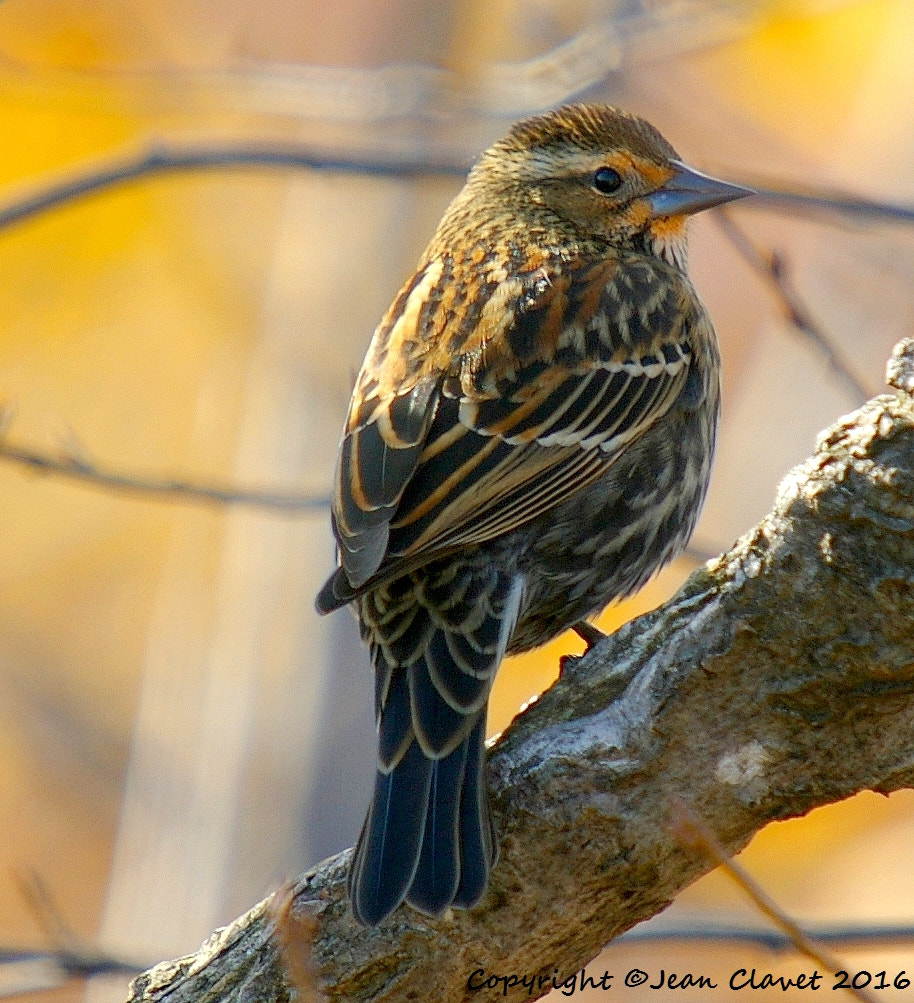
(159, 159)
(779, 678)
(74, 466)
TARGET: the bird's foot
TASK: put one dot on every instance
(589, 634)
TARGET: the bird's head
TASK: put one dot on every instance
(593, 173)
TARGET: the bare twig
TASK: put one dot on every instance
(158, 160)
(75, 467)
(41, 904)
(848, 937)
(161, 159)
(820, 202)
(27, 972)
(637, 32)
(692, 830)
(772, 268)
(70, 463)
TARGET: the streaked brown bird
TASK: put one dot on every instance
(529, 438)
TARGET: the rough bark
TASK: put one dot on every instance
(779, 678)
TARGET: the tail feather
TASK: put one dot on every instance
(440, 861)
(476, 834)
(387, 854)
(438, 726)
(428, 838)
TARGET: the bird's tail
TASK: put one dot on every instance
(436, 644)
(428, 837)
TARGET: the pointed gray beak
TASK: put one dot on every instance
(689, 191)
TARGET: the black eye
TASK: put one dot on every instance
(606, 180)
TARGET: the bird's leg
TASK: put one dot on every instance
(589, 634)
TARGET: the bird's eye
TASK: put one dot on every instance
(606, 180)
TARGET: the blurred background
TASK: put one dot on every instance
(179, 731)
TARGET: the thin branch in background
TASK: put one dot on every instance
(692, 831)
(70, 461)
(772, 268)
(638, 32)
(161, 159)
(850, 937)
(28, 973)
(823, 202)
(158, 160)
(23, 973)
(70, 965)
(72, 464)
(7, 415)
(38, 898)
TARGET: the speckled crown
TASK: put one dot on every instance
(590, 127)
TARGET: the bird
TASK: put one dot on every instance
(529, 438)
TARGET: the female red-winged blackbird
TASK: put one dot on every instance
(530, 437)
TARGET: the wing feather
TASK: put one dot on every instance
(505, 432)
(378, 457)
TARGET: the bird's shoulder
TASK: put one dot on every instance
(483, 320)
(489, 389)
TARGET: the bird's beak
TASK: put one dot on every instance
(689, 191)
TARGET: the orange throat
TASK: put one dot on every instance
(668, 239)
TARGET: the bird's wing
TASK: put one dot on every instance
(584, 361)
(378, 457)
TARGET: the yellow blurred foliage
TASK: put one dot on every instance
(799, 72)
